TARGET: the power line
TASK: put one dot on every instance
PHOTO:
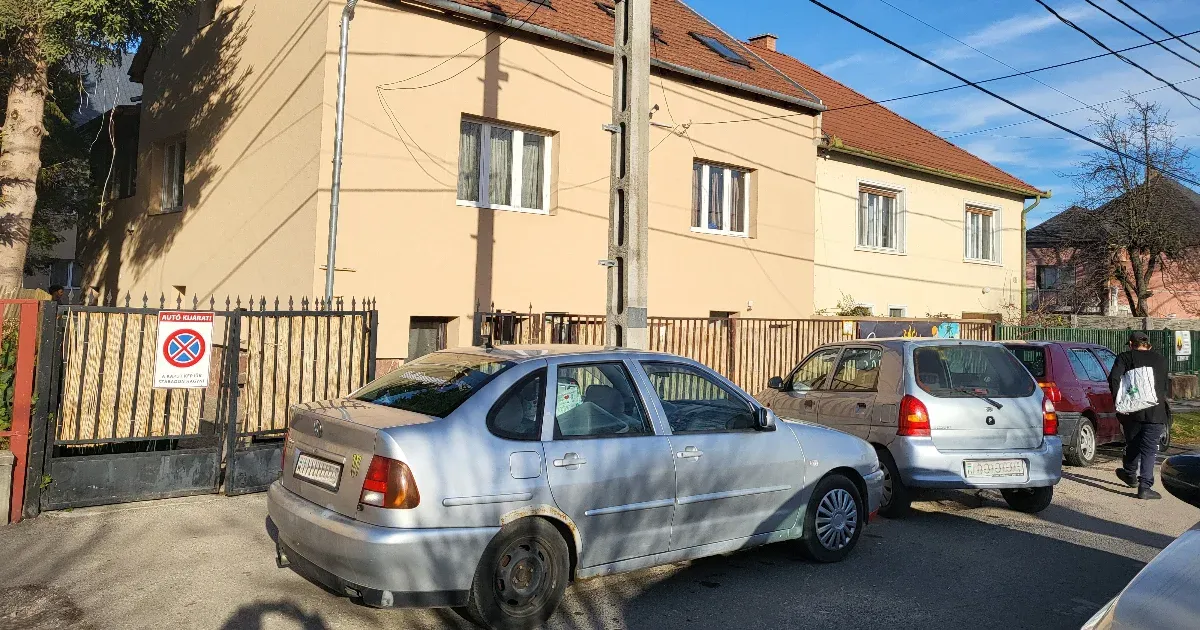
(1156, 24)
(1064, 20)
(993, 94)
(1139, 32)
(956, 87)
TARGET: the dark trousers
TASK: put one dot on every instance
(1141, 449)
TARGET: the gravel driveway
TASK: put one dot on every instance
(961, 560)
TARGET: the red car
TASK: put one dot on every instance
(1074, 377)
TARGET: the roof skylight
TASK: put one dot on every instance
(716, 46)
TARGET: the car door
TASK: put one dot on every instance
(1110, 428)
(608, 470)
(732, 480)
(802, 391)
(848, 404)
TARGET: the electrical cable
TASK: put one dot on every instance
(1189, 97)
(1156, 24)
(1028, 111)
(1139, 32)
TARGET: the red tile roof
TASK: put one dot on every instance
(674, 21)
(878, 131)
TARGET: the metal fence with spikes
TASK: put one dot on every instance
(112, 436)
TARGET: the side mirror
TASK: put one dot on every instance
(765, 420)
(775, 382)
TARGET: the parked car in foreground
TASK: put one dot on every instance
(1075, 378)
(490, 478)
(942, 413)
(1163, 595)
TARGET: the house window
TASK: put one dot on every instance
(64, 272)
(174, 163)
(503, 167)
(720, 199)
(982, 234)
(1054, 276)
(426, 335)
(206, 12)
(897, 311)
(880, 223)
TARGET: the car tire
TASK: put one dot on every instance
(521, 577)
(1029, 500)
(834, 520)
(1164, 443)
(1083, 449)
(897, 497)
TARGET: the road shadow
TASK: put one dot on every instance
(253, 617)
(1107, 485)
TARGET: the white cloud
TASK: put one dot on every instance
(1011, 29)
(838, 64)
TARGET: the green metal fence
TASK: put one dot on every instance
(1113, 338)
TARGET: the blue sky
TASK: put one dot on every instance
(1019, 33)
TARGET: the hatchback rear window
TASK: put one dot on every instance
(971, 370)
(435, 384)
(1032, 357)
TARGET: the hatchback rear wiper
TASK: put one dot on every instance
(972, 392)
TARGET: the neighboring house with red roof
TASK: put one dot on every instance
(476, 170)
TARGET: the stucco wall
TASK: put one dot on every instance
(403, 239)
(245, 91)
(933, 275)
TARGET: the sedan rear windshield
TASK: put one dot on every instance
(971, 370)
(1032, 357)
(435, 384)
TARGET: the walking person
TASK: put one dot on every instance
(1138, 381)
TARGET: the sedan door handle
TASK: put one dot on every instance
(808, 403)
(861, 405)
(690, 452)
(570, 461)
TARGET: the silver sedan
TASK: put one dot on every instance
(488, 479)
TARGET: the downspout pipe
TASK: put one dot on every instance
(335, 188)
(1025, 254)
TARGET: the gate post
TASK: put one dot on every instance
(372, 342)
(233, 356)
(42, 428)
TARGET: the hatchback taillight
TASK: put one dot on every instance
(1049, 417)
(1052, 392)
(914, 418)
(389, 484)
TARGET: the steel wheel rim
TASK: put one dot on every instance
(523, 579)
(1087, 441)
(837, 519)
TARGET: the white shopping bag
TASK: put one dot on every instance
(1137, 391)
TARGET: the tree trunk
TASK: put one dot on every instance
(20, 161)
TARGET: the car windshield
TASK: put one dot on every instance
(959, 371)
(1032, 357)
(435, 384)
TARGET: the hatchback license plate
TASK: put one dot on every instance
(320, 472)
(995, 468)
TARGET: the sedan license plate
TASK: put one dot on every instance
(316, 471)
(995, 468)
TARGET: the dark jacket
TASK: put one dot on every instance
(1131, 359)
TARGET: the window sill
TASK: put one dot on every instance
(713, 232)
(488, 206)
(981, 261)
(165, 211)
(880, 250)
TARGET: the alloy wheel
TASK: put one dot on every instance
(837, 519)
(1087, 441)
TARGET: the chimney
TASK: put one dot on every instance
(766, 40)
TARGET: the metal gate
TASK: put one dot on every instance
(111, 437)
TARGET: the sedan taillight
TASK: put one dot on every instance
(1049, 417)
(389, 484)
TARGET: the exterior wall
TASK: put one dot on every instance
(245, 92)
(403, 238)
(62, 250)
(932, 276)
(1164, 302)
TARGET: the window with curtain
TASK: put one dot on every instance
(982, 234)
(174, 167)
(502, 167)
(880, 223)
(720, 199)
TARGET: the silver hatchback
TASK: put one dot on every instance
(490, 478)
(942, 413)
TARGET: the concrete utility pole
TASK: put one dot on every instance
(625, 324)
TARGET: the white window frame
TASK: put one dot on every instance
(900, 307)
(997, 233)
(726, 199)
(179, 169)
(870, 306)
(901, 217)
(485, 163)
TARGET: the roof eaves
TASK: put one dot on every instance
(549, 33)
(834, 144)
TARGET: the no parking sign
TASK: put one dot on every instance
(184, 349)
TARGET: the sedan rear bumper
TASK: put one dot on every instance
(922, 465)
(385, 566)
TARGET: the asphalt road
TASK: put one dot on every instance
(961, 560)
